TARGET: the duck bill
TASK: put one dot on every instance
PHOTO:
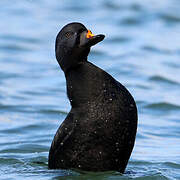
(95, 39)
(88, 39)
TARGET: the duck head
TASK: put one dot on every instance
(73, 44)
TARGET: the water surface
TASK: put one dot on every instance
(141, 50)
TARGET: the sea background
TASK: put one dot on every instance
(141, 50)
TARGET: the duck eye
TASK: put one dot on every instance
(68, 34)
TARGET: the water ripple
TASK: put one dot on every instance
(169, 18)
(14, 48)
(163, 106)
(141, 50)
(160, 79)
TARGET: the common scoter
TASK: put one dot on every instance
(99, 132)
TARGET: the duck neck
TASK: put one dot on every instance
(70, 58)
(81, 85)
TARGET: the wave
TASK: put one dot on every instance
(163, 106)
(159, 78)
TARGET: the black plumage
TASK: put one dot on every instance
(99, 132)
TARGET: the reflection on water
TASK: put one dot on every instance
(141, 50)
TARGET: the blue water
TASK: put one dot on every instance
(141, 50)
